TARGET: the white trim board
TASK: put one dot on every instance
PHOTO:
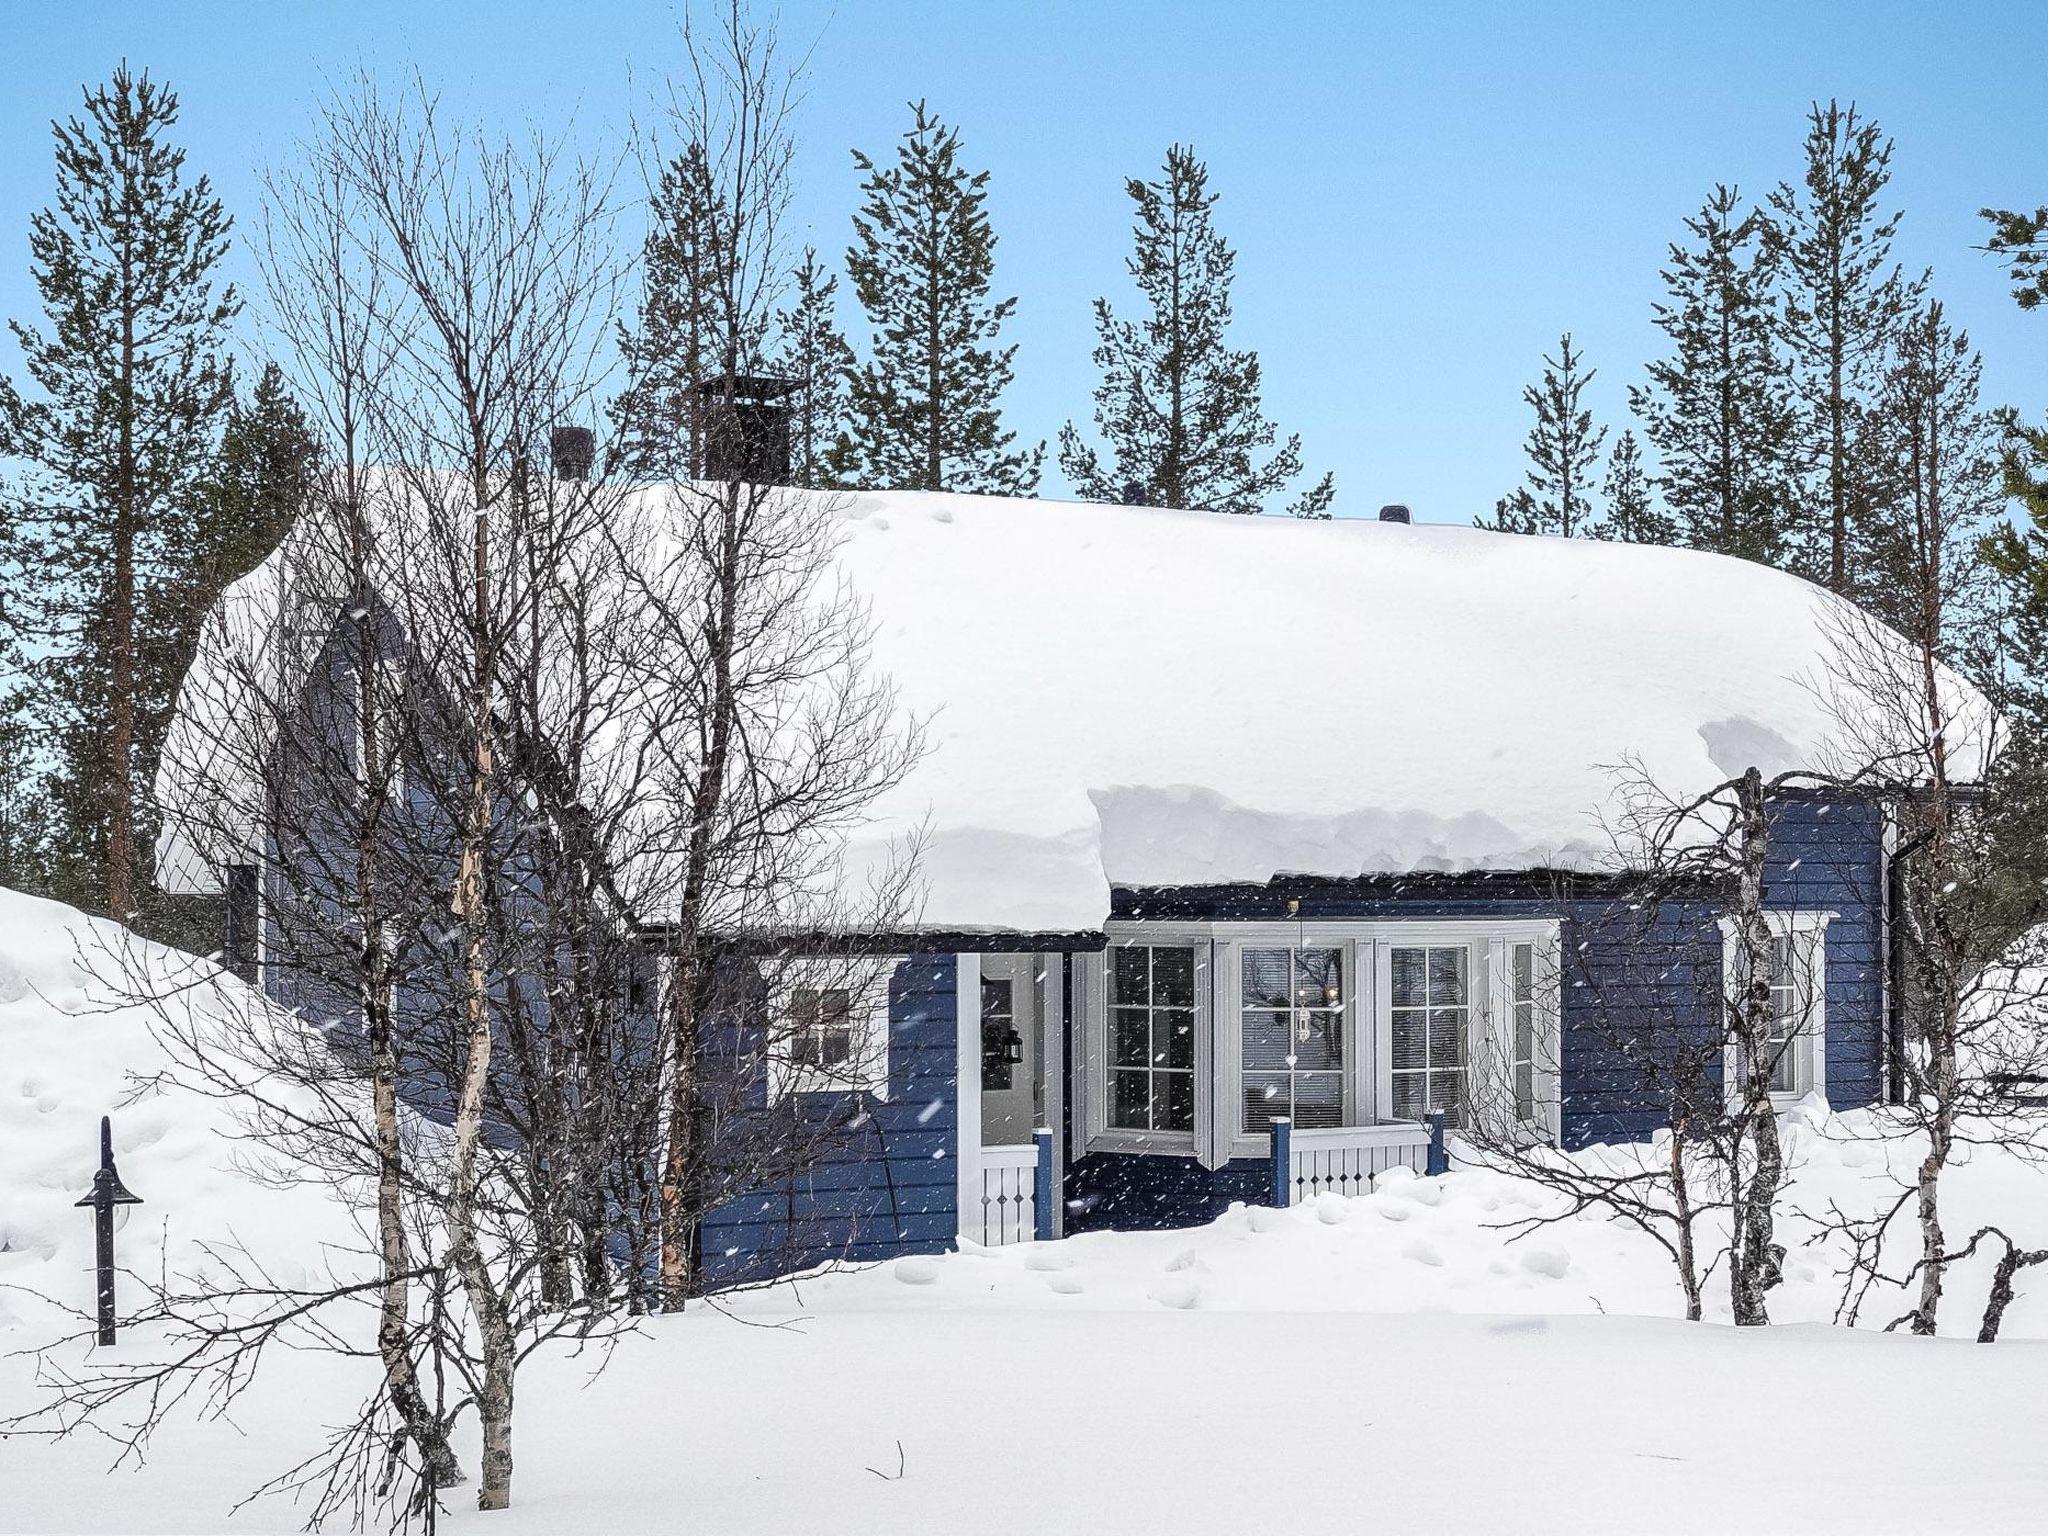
(967, 1091)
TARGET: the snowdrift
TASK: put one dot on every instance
(76, 1043)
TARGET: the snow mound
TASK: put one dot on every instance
(76, 1045)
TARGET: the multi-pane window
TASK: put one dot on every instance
(1522, 1008)
(1785, 1014)
(1152, 1038)
(1430, 1012)
(1291, 1036)
(821, 1026)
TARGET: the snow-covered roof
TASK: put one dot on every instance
(1130, 696)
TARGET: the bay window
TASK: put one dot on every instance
(1194, 1038)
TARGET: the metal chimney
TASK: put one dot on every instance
(572, 451)
(1395, 512)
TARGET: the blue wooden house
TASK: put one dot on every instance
(1236, 824)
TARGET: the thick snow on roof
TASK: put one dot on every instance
(1142, 697)
(1130, 696)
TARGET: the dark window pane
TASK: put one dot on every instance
(1408, 1096)
(1525, 1092)
(1170, 1089)
(1408, 968)
(995, 998)
(837, 1047)
(1446, 1036)
(1447, 976)
(1324, 1047)
(1127, 973)
(1268, 1039)
(1129, 1100)
(1265, 1095)
(1411, 1038)
(1445, 1091)
(1130, 1041)
(1319, 1100)
(1266, 977)
(1525, 971)
(1177, 1047)
(1173, 978)
(1319, 977)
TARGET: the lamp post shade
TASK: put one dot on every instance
(107, 1192)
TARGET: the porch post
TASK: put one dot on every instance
(1282, 1132)
(1043, 1201)
(1439, 1159)
(967, 1090)
(1052, 1067)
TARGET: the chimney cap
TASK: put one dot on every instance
(1395, 512)
(573, 451)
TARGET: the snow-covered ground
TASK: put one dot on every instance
(1386, 1363)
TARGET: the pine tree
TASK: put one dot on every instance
(1563, 446)
(131, 382)
(2022, 240)
(1844, 300)
(1938, 484)
(1718, 409)
(1179, 408)
(668, 351)
(24, 807)
(814, 356)
(925, 407)
(1633, 516)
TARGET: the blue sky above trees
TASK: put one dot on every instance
(1421, 196)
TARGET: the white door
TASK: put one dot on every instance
(1012, 1045)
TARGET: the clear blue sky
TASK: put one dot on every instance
(1422, 195)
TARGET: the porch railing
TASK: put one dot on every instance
(1009, 1197)
(1343, 1159)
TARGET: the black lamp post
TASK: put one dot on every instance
(107, 1192)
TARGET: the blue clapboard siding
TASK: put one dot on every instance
(1626, 992)
(889, 1185)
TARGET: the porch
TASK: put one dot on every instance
(1042, 1150)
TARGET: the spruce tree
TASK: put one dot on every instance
(1844, 299)
(1938, 484)
(1633, 516)
(925, 407)
(668, 350)
(815, 357)
(263, 475)
(1563, 446)
(130, 383)
(1718, 408)
(1179, 408)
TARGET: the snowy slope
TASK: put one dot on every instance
(1128, 695)
(74, 1047)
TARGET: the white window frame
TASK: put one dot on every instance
(1098, 1135)
(1368, 1087)
(1808, 931)
(866, 1069)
